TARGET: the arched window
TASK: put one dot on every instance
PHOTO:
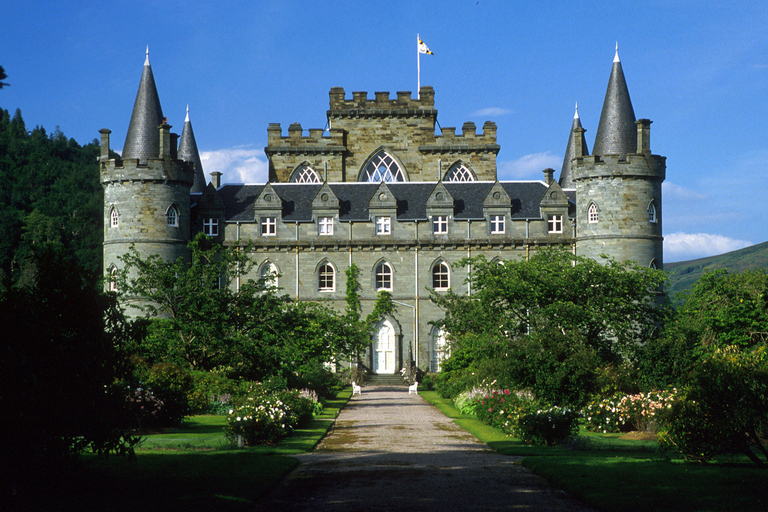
(326, 278)
(172, 215)
(383, 276)
(268, 274)
(441, 276)
(439, 349)
(305, 174)
(113, 217)
(382, 167)
(459, 172)
(593, 214)
(652, 213)
(113, 279)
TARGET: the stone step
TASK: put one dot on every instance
(386, 380)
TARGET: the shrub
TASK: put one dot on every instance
(497, 408)
(170, 384)
(302, 409)
(211, 393)
(537, 424)
(723, 408)
(260, 419)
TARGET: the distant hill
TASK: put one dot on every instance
(683, 274)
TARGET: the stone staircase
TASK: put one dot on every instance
(395, 380)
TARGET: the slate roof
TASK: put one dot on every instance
(617, 131)
(189, 153)
(143, 138)
(566, 173)
(411, 199)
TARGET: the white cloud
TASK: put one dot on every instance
(688, 246)
(529, 166)
(242, 164)
(672, 190)
(492, 112)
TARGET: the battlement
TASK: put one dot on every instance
(331, 140)
(382, 100)
(469, 131)
(644, 165)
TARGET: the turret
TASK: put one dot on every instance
(618, 187)
(146, 193)
(566, 173)
(188, 152)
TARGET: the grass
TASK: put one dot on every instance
(193, 468)
(619, 475)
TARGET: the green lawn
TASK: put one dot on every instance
(619, 475)
(192, 468)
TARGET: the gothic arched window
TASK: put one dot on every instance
(326, 278)
(305, 174)
(114, 217)
(593, 214)
(172, 216)
(382, 167)
(652, 213)
(441, 276)
(268, 274)
(459, 172)
(383, 276)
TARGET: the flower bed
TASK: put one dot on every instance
(625, 413)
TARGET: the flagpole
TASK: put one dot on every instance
(418, 68)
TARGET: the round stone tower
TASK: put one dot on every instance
(618, 187)
(147, 191)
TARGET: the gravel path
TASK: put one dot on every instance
(389, 450)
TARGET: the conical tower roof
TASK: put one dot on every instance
(617, 132)
(566, 174)
(188, 152)
(143, 139)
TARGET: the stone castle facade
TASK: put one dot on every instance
(380, 189)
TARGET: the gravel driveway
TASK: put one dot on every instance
(389, 450)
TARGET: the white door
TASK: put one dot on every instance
(384, 348)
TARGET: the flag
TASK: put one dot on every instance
(423, 48)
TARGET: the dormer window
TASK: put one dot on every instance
(497, 224)
(211, 226)
(268, 226)
(440, 224)
(325, 226)
(383, 226)
(555, 224)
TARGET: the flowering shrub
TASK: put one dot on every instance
(264, 417)
(531, 421)
(145, 408)
(467, 401)
(260, 419)
(623, 413)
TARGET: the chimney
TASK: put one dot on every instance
(165, 139)
(104, 144)
(644, 135)
(216, 179)
(549, 176)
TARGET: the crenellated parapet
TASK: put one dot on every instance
(468, 141)
(382, 105)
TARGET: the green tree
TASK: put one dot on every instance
(3, 76)
(558, 324)
(62, 360)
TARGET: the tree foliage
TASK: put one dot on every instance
(206, 315)
(557, 324)
(51, 194)
(61, 358)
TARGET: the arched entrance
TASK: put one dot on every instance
(384, 347)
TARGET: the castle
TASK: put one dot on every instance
(380, 189)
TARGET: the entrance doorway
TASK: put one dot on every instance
(384, 348)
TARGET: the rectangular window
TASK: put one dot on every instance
(497, 224)
(555, 224)
(211, 227)
(440, 224)
(268, 226)
(383, 226)
(325, 226)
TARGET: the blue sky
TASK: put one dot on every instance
(697, 69)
